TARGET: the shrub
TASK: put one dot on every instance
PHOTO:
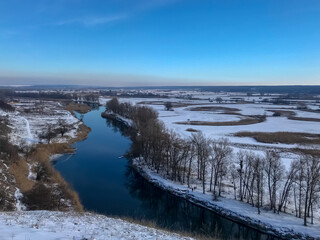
(6, 107)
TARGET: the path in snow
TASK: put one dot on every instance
(30, 136)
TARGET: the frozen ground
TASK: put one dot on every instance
(39, 225)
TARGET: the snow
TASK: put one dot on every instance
(39, 225)
(54, 157)
(18, 195)
(272, 124)
(29, 135)
(32, 175)
(31, 118)
(279, 224)
(306, 114)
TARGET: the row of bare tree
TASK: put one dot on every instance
(52, 130)
(262, 181)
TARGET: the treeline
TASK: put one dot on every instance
(261, 181)
(132, 94)
(49, 95)
(6, 107)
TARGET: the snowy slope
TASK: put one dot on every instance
(39, 225)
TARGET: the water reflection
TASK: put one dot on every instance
(176, 214)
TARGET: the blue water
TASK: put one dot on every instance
(108, 185)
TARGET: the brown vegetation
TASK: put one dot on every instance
(291, 115)
(174, 104)
(20, 170)
(307, 151)
(4, 129)
(246, 121)
(282, 137)
(77, 107)
(49, 187)
(214, 109)
(6, 107)
(191, 130)
(47, 190)
(305, 119)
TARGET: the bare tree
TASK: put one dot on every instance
(168, 106)
(63, 126)
(287, 186)
(274, 172)
(258, 167)
(219, 100)
(248, 176)
(48, 133)
(221, 150)
(113, 105)
(201, 145)
(240, 157)
(234, 176)
(312, 181)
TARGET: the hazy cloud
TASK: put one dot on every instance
(136, 8)
(91, 21)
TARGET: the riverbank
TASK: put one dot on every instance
(37, 168)
(117, 117)
(35, 183)
(280, 225)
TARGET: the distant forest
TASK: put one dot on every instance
(292, 89)
(314, 89)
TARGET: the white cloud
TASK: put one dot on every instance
(92, 21)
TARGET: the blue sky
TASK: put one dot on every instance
(160, 42)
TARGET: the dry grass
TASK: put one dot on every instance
(152, 224)
(82, 134)
(291, 115)
(80, 108)
(214, 109)
(304, 151)
(20, 170)
(305, 119)
(4, 129)
(246, 121)
(191, 130)
(283, 113)
(179, 104)
(282, 137)
(41, 156)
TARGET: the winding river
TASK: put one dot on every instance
(108, 185)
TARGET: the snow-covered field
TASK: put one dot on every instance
(40, 225)
(271, 124)
(31, 118)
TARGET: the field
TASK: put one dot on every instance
(249, 122)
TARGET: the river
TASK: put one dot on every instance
(106, 184)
